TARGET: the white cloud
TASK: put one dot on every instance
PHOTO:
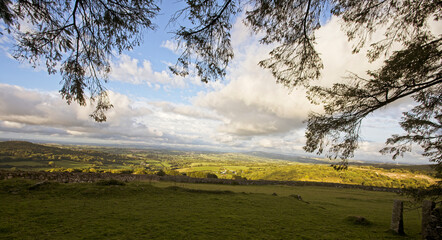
(247, 112)
(127, 69)
(241, 34)
(336, 54)
(8, 124)
(251, 102)
(172, 46)
(258, 113)
(186, 110)
(5, 44)
(44, 115)
(370, 151)
(26, 110)
(267, 143)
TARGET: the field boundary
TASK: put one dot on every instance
(80, 177)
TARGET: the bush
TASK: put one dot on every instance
(211, 175)
(161, 173)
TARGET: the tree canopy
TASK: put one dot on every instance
(79, 36)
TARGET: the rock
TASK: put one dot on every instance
(358, 220)
(431, 221)
(397, 219)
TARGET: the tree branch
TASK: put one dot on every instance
(213, 20)
(305, 20)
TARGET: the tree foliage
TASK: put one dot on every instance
(77, 38)
(206, 44)
(413, 71)
(80, 35)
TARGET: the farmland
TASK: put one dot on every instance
(153, 209)
(253, 166)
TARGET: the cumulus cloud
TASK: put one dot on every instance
(248, 111)
(252, 103)
(186, 110)
(259, 113)
(128, 70)
(45, 115)
(24, 110)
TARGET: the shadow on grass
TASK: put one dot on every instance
(175, 188)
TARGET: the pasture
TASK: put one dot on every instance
(167, 210)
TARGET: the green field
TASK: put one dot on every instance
(163, 210)
(16, 155)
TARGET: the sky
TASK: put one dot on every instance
(246, 111)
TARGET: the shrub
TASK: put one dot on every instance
(211, 175)
(161, 173)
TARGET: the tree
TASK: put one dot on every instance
(77, 38)
(88, 30)
(414, 72)
(411, 72)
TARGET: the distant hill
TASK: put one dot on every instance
(277, 156)
(22, 150)
(23, 146)
(299, 159)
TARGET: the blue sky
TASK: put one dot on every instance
(247, 111)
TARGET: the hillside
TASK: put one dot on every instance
(277, 156)
(29, 155)
(252, 166)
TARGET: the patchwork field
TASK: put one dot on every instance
(253, 166)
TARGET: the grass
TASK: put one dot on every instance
(35, 157)
(163, 210)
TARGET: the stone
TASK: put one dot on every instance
(431, 221)
(358, 220)
(397, 219)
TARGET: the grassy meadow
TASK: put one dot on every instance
(168, 210)
(165, 210)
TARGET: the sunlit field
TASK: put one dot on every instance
(167, 210)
